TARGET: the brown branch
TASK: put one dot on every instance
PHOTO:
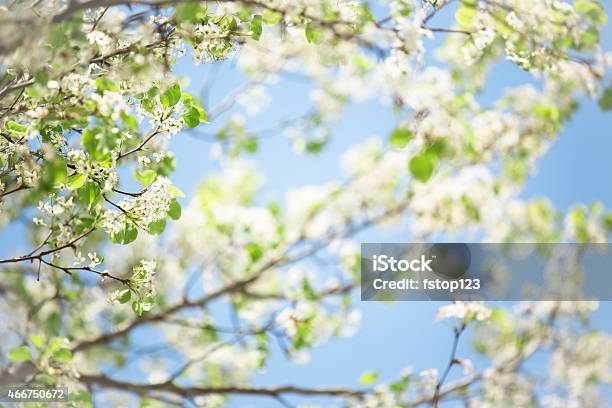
(94, 60)
(10, 108)
(127, 193)
(447, 30)
(40, 257)
(336, 290)
(445, 391)
(191, 391)
(42, 244)
(236, 286)
(451, 362)
(509, 365)
(69, 270)
(128, 216)
(14, 190)
(98, 19)
(7, 90)
(31, 256)
(160, 316)
(140, 146)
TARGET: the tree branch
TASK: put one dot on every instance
(187, 391)
(451, 361)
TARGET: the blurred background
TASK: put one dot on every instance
(390, 337)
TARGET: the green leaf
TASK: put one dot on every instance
(166, 166)
(585, 6)
(150, 403)
(37, 340)
(315, 146)
(42, 78)
(52, 323)
(271, 17)
(368, 378)
(593, 9)
(312, 35)
(99, 142)
(189, 12)
(146, 177)
(308, 290)
(400, 137)
(437, 149)
(422, 166)
(255, 252)
(45, 379)
(89, 194)
(142, 305)
(176, 191)
(501, 319)
(82, 398)
(21, 353)
(89, 140)
(63, 355)
(56, 343)
(191, 117)
(153, 91)
(129, 121)
(465, 15)
(47, 131)
(175, 209)
(250, 144)
(589, 38)
(548, 112)
(191, 103)
(77, 180)
(400, 386)
(157, 227)
(256, 27)
(126, 235)
(124, 296)
(105, 84)
(54, 173)
(171, 96)
(607, 221)
(16, 127)
(303, 337)
(605, 102)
